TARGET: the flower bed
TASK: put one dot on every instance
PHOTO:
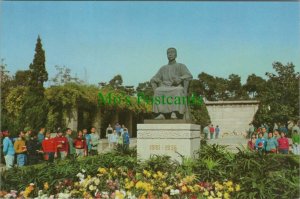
(215, 174)
(124, 183)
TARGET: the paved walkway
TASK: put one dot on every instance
(232, 141)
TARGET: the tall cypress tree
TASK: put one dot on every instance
(38, 69)
(35, 109)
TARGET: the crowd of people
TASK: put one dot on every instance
(265, 141)
(30, 148)
(214, 132)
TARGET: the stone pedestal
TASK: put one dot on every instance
(167, 139)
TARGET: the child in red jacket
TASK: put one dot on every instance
(49, 147)
(283, 144)
(62, 145)
(80, 145)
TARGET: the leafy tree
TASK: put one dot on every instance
(22, 78)
(145, 88)
(199, 111)
(280, 99)
(208, 86)
(116, 82)
(254, 86)
(222, 92)
(35, 108)
(64, 76)
(7, 123)
(235, 88)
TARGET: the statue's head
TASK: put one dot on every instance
(172, 54)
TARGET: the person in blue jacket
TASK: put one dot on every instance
(260, 143)
(8, 150)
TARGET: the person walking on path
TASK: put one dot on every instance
(211, 131)
(217, 131)
(20, 149)
(8, 150)
(94, 141)
(206, 132)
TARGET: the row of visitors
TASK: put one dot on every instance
(274, 142)
(29, 148)
(213, 132)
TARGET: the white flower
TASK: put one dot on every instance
(174, 192)
(97, 181)
(83, 170)
(92, 188)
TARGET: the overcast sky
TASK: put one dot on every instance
(98, 40)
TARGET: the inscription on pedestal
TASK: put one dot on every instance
(173, 140)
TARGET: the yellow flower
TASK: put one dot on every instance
(210, 197)
(46, 186)
(206, 193)
(212, 193)
(164, 184)
(189, 179)
(155, 176)
(191, 189)
(129, 185)
(102, 170)
(119, 195)
(160, 175)
(226, 195)
(237, 187)
(142, 197)
(184, 189)
(219, 194)
(230, 189)
(197, 187)
(146, 173)
(220, 187)
(229, 183)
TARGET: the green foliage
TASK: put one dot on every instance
(22, 78)
(198, 111)
(64, 76)
(280, 98)
(38, 69)
(145, 88)
(217, 88)
(19, 178)
(34, 111)
(254, 86)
